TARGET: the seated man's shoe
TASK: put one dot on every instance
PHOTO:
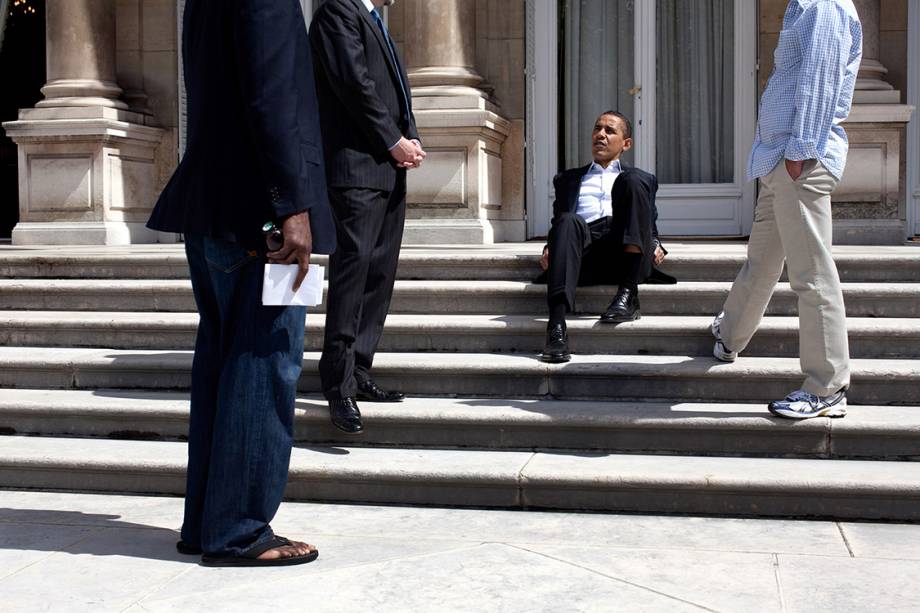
(345, 415)
(556, 350)
(802, 405)
(371, 392)
(624, 307)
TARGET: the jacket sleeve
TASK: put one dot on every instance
(559, 200)
(266, 53)
(653, 191)
(337, 44)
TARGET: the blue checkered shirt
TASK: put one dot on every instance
(811, 89)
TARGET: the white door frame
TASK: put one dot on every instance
(913, 127)
(721, 209)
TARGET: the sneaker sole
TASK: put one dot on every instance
(833, 412)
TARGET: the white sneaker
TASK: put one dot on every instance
(802, 405)
(719, 350)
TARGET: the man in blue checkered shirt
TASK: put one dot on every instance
(799, 155)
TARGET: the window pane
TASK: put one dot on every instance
(695, 91)
(597, 68)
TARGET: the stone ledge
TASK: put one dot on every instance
(746, 486)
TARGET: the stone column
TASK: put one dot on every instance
(441, 48)
(458, 191)
(869, 203)
(86, 163)
(872, 73)
(81, 54)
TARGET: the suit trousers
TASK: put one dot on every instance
(248, 359)
(793, 222)
(362, 271)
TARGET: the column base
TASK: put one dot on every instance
(448, 232)
(87, 176)
(83, 233)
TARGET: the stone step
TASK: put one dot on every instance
(474, 297)
(613, 377)
(842, 489)
(656, 335)
(876, 432)
(516, 262)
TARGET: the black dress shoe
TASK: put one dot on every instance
(345, 415)
(371, 392)
(625, 307)
(556, 350)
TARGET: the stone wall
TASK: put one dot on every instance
(500, 59)
(146, 56)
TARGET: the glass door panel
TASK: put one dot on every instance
(598, 68)
(695, 92)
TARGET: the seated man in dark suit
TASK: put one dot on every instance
(603, 231)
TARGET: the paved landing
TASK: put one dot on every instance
(78, 552)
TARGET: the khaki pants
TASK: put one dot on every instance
(792, 222)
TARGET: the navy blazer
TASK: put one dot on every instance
(253, 148)
(361, 102)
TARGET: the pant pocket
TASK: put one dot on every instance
(226, 256)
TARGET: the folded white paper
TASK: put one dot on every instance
(279, 280)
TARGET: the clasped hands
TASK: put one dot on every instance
(408, 153)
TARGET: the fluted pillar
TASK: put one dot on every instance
(441, 48)
(457, 196)
(86, 163)
(81, 54)
(872, 73)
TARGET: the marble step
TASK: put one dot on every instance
(456, 297)
(613, 377)
(842, 489)
(656, 335)
(510, 262)
(876, 432)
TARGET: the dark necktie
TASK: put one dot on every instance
(395, 59)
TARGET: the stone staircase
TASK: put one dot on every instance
(96, 356)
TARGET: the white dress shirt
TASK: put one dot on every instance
(594, 199)
(368, 4)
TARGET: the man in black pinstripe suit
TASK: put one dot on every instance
(370, 141)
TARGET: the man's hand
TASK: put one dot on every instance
(408, 153)
(544, 259)
(794, 168)
(298, 246)
(659, 255)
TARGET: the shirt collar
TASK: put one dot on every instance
(613, 167)
(368, 4)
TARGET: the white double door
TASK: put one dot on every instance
(683, 70)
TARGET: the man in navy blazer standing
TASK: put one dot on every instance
(370, 141)
(253, 155)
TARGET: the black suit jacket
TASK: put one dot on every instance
(632, 184)
(361, 102)
(253, 149)
(567, 185)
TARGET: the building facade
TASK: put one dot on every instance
(505, 92)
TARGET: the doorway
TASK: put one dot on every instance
(683, 70)
(22, 70)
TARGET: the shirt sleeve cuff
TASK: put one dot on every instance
(394, 145)
(798, 150)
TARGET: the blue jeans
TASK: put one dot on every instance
(248, 358)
